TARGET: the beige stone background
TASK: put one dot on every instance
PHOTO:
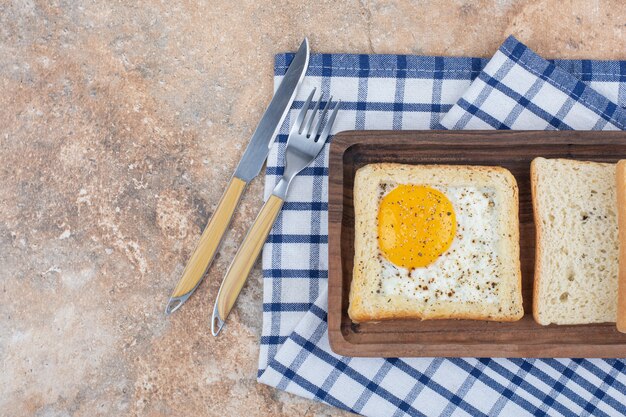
(120, 124)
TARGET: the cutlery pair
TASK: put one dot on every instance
(303, 145)
(249, 167)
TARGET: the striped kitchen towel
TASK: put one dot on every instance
(516, 89)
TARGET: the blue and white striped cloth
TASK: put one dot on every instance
(516, 89)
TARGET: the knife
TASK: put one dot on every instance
(249, 167)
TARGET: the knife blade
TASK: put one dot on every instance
(249, 166)
(264, 135)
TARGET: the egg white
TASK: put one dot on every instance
(467, 271)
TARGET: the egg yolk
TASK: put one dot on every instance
(416, 224)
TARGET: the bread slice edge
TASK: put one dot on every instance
(620, 180)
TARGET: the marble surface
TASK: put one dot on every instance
(120, 124)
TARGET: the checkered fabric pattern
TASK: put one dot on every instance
(520, 90)
(515, 90)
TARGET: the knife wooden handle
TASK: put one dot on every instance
(208, 244)
(244, 260)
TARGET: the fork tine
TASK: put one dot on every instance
(305, 107)
(309, 122)
(321, 120)
(329, 124)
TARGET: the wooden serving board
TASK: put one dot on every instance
(458, 338)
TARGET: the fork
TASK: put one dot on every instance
(304, 143)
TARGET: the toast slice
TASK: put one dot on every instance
(620, 177)
(478, 277)
(576, 258)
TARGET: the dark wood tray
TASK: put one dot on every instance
(458, 338)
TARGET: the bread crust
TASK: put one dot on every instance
(367, 307)
(538, 241)
(620, 177)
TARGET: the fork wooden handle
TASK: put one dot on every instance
(243, 262)
(208, 244)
